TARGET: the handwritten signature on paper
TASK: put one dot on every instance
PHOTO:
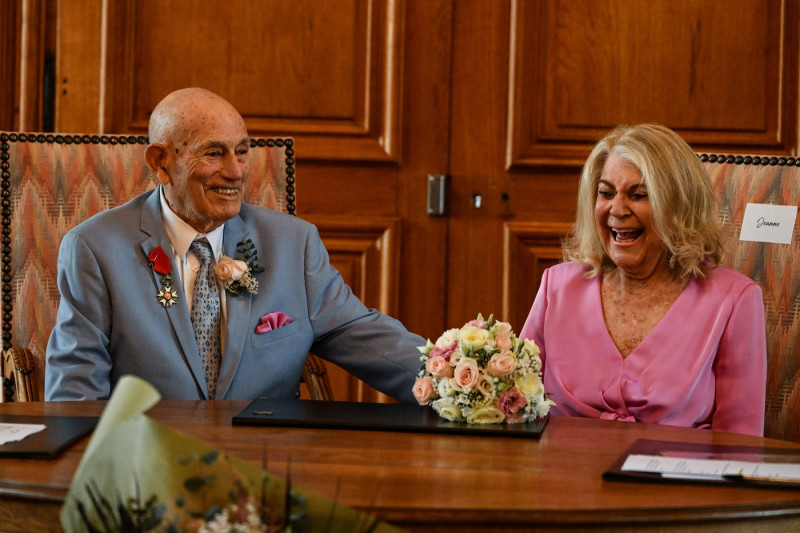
(762, 222)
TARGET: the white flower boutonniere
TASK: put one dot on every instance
(237, 274)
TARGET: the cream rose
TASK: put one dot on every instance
(501, 364)
(466, 374)
(485, 386)
(229, 270)
(529, 385)
(486, 414)
(471, 337)
(530, 347)
(447, 409)
(423, 390)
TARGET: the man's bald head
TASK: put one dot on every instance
(200, 152)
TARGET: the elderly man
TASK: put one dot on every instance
(205, 296)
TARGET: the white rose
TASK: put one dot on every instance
(445, 388)
(447, 338)
(529, 385)
(447, 409)
(486, 414)
(530, 347)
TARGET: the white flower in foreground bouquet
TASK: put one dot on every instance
(482, 373)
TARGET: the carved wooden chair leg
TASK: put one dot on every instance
(19, 366)
(315, 377)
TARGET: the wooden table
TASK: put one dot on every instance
(427, 482)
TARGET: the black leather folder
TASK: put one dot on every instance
(371, 416)
(61, 432)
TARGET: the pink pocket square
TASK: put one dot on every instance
(272, 321)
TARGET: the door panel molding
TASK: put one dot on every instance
(691, 69)
(335, 72)
(528, 249)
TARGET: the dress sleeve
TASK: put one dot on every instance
(741, 367)
(534, 324)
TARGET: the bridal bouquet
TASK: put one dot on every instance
(482, 373)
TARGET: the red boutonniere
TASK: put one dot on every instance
(159, 260)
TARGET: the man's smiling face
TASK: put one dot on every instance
(208, 165)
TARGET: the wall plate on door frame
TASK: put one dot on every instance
(437, 195)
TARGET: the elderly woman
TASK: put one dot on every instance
(640, 323)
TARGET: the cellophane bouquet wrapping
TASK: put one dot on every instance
(482, 373)
(139, 475)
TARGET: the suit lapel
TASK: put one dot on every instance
(238, 313)
(178, 313)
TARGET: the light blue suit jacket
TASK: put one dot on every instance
(110, 322)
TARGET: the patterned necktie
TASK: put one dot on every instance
(206, 314)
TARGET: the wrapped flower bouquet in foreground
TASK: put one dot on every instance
(139, 475)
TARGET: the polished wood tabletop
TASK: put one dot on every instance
(438, 482)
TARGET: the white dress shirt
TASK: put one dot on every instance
(181, 236)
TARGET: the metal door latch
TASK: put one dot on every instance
(437, 195)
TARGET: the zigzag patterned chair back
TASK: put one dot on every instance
(740, 180)
(49, 184)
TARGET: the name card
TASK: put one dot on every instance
(768, 223)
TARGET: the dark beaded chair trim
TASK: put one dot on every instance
(765, 160)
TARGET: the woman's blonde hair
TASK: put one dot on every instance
(681, 197)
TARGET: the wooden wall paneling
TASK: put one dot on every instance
(79, 66)
(528, 249)
(32, 50)
(722, 73)
(427, 87)
(474, 250)
(10, 34)
(326, 72)
(366, 251)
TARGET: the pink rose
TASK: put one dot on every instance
(503, 329)
(503, 342)
(229, 270)
(439, 368)
(510, 402)
(466, 374)
(477, 324)
(423, 390)
(445, 352)
(501, 364)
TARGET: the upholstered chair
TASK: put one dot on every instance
(739, 180)
(52, 182)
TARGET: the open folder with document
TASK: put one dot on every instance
(649, 460)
